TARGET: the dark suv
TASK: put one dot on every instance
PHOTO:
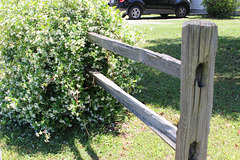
(135, 8)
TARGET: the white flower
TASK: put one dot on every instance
(7, 98)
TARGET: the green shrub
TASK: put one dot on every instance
(220, 8)
(45, 83)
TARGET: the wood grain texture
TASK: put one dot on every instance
(162, 62)
(199, 46)
(158, 124)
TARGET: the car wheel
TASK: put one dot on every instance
(135, 12)
(181, 11)
(164, 15)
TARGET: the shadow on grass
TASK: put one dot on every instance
(162, 90)
(158, 88)
(25, 143)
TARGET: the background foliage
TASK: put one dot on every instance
(44, 81)
(220, 8)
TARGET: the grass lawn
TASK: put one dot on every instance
(160, 92)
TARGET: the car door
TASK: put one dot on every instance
(163, 4)
(151, 4)
(157, 4)
(171, 4)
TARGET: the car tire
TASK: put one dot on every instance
(164, 15)
(135, 12)
(181, 11)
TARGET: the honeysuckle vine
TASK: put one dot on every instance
(45, 83)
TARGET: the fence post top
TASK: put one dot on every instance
(199, 23)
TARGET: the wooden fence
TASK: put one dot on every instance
(196, 71)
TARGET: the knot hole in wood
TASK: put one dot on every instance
(200, 79)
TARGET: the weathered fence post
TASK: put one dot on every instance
(199, 46)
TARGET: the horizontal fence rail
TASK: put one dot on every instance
(158, 124)
(162, 62)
